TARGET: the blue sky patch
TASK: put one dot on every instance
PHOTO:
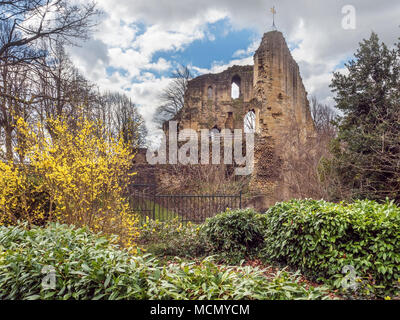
(111, 70)
(219, 46)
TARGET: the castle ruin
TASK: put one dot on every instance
(273, 90)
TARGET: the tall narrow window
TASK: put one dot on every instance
(210, 92)
(214, 133)
(249, 122)
(235, 90)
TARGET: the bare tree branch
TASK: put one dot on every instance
(173, 97)
(323, 116)
(25, 22)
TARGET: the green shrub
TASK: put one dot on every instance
(88, 266)
(207, 281)
(321, 238)
(173, 238)
(235, 234)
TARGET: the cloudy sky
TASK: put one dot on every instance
(138, 43)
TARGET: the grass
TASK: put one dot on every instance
(154, 211)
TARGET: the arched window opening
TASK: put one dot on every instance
(210, 92)
(214, 133)
(235, 89)
(249, 122)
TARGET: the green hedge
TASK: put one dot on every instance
(320, 238)
(88, 266)
(235, 234)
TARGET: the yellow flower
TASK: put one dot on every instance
(388, 298)
(83, 173)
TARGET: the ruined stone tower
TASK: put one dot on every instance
(274, 91)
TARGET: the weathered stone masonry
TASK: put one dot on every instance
(274, 91)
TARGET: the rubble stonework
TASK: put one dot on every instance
(273, 89)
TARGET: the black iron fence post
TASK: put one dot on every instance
(154, 206)
(240, 199)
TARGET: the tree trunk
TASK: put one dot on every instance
(9, 150)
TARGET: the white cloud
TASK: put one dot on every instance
(146, 94)
(160, 65)
(156, 39)
(249, 51)
(312, 29)
(121, 46)
(217, 67)
(115, 32)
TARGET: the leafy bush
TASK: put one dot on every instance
(88, 266)
(172, 238)
(207, 281)
(321, 238)
(235, 234)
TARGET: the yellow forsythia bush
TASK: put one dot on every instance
(83, 170)
(10, 180)
(19, 197)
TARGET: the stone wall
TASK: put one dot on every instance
(274, 90)
(208, 102)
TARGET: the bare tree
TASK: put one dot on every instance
(26, 23)
(200, 179)
(323, 116)
(61, 87)
(173, 97)
(15, 100)
(305, 170)
(34, 80)
(250, 122)
(121, 117)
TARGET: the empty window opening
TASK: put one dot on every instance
(235, 90)
(210, 92)
(249, 122)
(215, 133)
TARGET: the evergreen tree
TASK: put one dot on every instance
(367, 150)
